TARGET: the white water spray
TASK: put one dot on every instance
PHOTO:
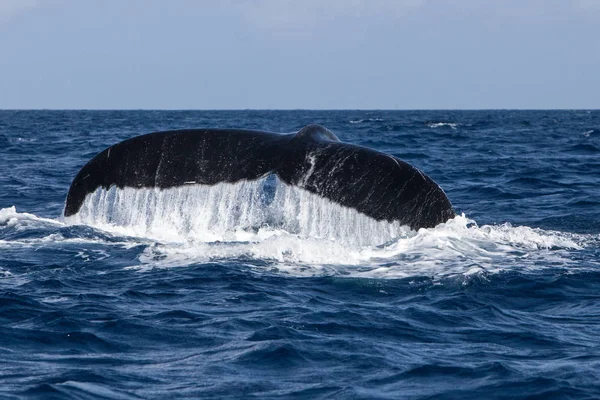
(300, 233)
(231, 212)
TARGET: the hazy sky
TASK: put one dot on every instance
(216, 54)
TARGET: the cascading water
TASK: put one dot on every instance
(231, 211)
(269, 220)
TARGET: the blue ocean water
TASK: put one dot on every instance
(181, 297)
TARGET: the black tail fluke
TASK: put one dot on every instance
(374, 183)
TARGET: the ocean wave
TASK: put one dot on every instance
(9, 217)
(19, 231)
(360, 121)
(452, 125)
(583, 149)
(589, 133)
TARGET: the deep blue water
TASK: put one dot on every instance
(502, 302)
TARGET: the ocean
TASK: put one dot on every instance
(255, 290)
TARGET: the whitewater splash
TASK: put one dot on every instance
(360, 121)
(230, 212)
(299, 233)
(267, 224)
(441, 124)
(458, 247)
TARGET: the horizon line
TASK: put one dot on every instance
(299, 109)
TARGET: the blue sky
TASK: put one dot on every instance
(315, 54)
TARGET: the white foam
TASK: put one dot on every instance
(440, 124)
(10, 217)
(359, 121)
(456, 247)
(302, 234)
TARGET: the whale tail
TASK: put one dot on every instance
(374, 183)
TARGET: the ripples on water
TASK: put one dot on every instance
(259, 289)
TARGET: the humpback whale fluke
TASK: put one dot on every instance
(374, 183)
